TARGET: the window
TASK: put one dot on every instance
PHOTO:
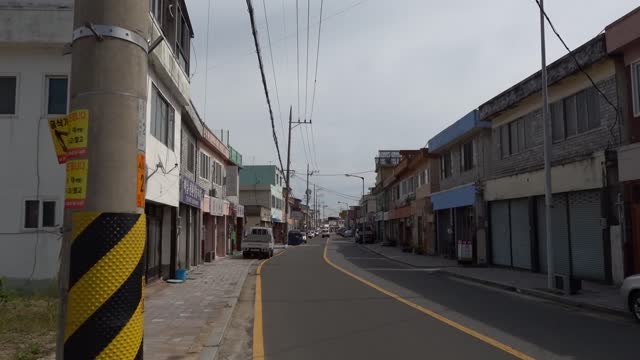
(218, 176)
(445, 166)
(8, 86)
(513, 138)
(183, 40)
(57, 95)
(635, 74)
(273, 202)
(575, 114)
(428, 175)
(31, 211)
(423, 178)
(466, 156)
(205, 166)
(157, 9)
(39, 214)
(162, 119)
(557, 122)
(191, 156)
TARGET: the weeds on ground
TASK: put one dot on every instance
(27, 325)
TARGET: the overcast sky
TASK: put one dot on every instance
(391, 74)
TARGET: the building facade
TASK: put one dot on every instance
(585, 132)
(261, 189)
(623, 45)
(34, 87)
(463, 151)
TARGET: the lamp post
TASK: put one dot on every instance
(363, 201)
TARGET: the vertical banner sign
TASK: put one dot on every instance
(78, 121)
(141, 179)
(59, 132)
(76, 185)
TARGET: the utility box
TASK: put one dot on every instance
(568, 285)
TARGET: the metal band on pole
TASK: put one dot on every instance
(99, 31)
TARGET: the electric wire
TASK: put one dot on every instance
(206, 59)
(264, 82)
(273, 66)
(298, 57)
(573, 56)
(315, 80)
(306, 84)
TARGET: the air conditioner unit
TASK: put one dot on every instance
(213, 192)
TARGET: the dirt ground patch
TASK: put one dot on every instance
(27, 327)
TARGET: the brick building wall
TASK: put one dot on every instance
(482, 146)
(571, 149)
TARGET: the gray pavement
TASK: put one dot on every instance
(188, 320)
(313, 311)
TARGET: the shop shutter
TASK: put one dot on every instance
(500, 237)
(443, 236)
(559, 231)
(520, 234)
(587, 250)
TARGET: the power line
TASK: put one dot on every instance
(264, 81)
(573, 56)
(352, 173)
(313, 140)
(347, 196)
(298, 57)
(306, 85)
(339, 12)
(315, 80)
(273, 67)
(206, 60)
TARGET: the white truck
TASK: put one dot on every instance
(259, 242)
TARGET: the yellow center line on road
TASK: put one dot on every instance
(258, 334)
(464, 329)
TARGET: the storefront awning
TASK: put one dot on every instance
(453, 198)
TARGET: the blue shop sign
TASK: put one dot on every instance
(190, 192)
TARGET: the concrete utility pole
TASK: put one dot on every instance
(546, 120)
(292, 124)
(308, 195)
(315, 207)
(101, 276)
(363, 199)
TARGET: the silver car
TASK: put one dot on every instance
(630, 291)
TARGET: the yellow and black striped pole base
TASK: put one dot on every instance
(105, 303)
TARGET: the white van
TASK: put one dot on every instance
(259, 241)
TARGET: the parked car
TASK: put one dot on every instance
(259, 241)
(311, 234)
(325, 232)
(348, 233)
(295, 238)
(630, 291)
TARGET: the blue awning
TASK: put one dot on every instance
(457, 197)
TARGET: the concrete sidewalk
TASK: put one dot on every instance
(188, 320)
(599, 297)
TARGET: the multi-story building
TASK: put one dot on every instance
(464, 154)
(34, 87)
(191, 207)
(261, 188)
(169, 93)
(623, 45)
(585, 133)
(385, 162)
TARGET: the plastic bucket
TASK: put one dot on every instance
(181, 274)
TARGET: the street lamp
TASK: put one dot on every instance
(363, 201)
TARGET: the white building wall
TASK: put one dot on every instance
(163, 186)
(30, 167)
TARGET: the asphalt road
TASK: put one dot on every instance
(313, 310)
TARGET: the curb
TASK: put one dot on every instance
(526, 291)
(214, 340)
(403, 262)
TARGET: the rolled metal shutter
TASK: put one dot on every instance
(443, 235)
(587, 250)
(559, 231)
(500, 236)
(542, 235)
(520, 234)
